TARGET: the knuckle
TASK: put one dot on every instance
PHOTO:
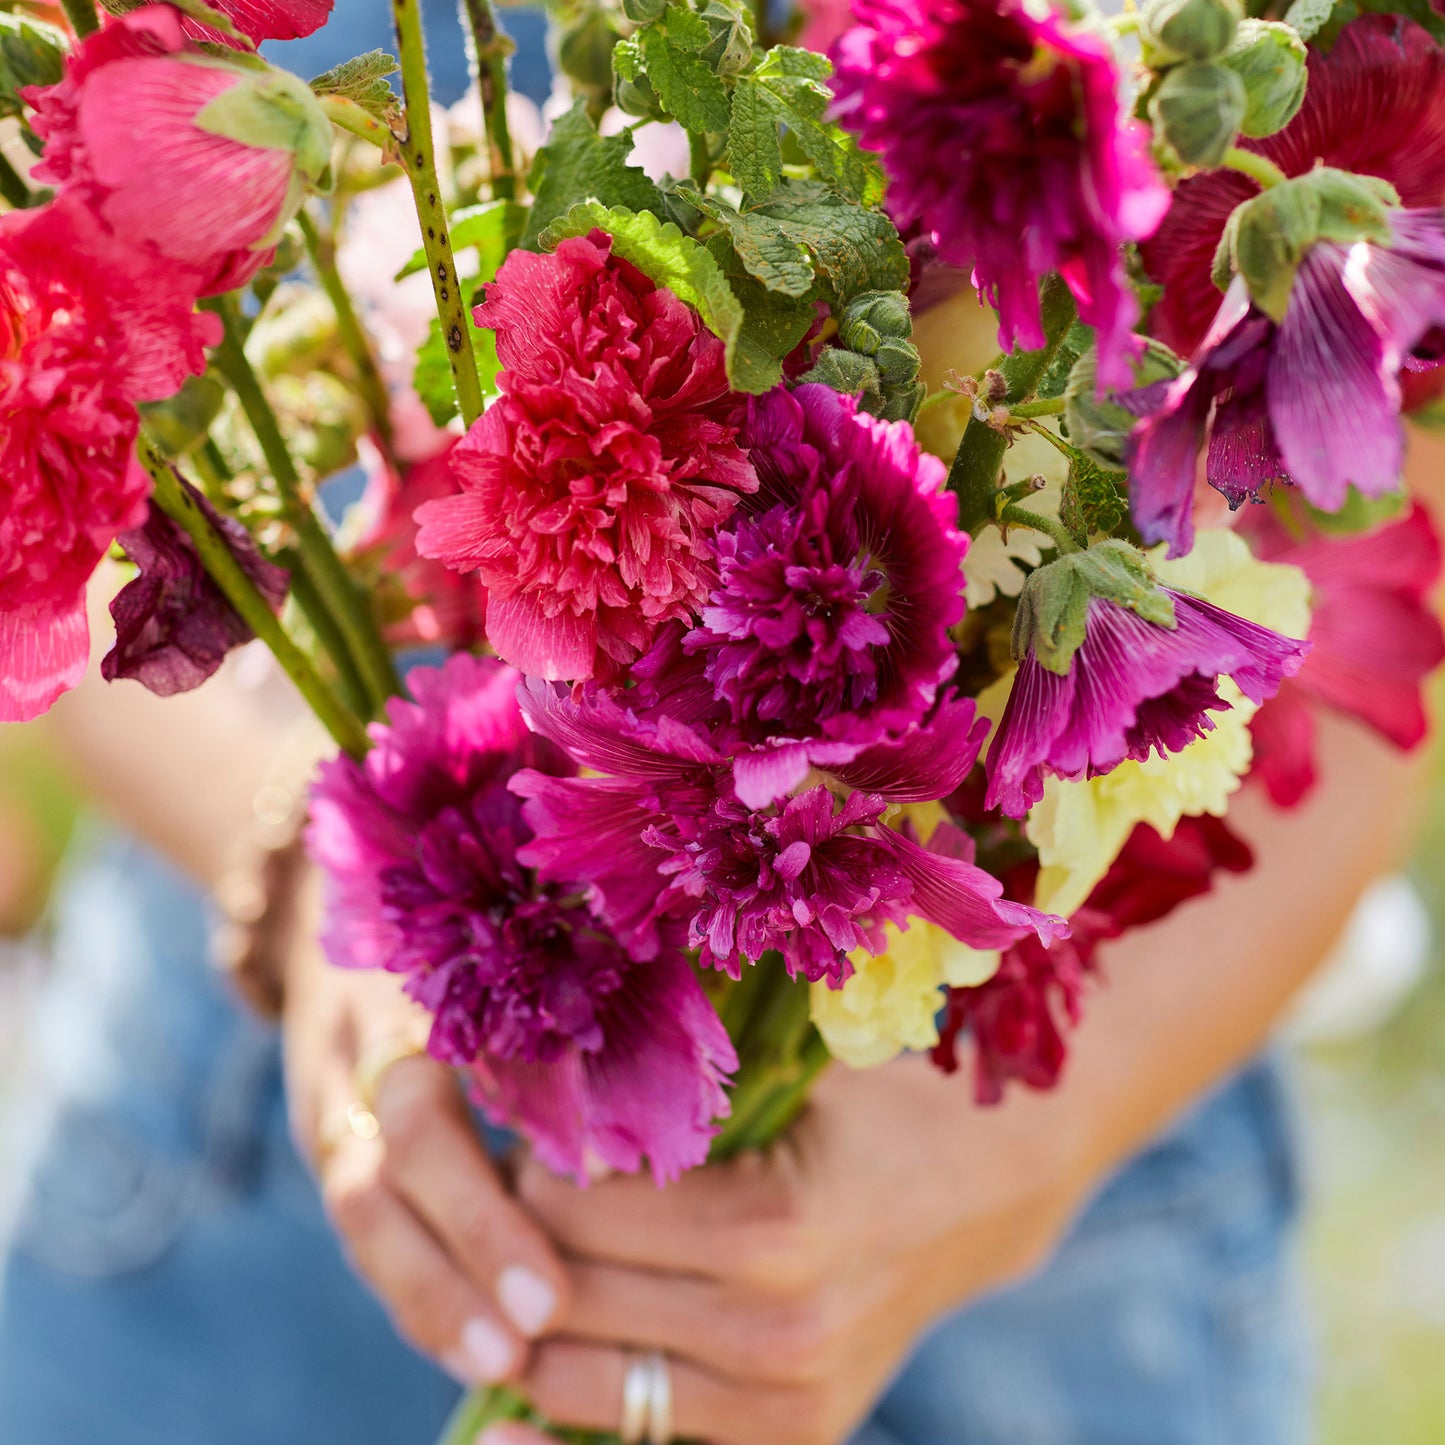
(356, 1204)
(798, 1340)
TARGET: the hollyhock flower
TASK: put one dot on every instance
(592, 1054)
(1313, 399)
(203, 159)
(827, 630)
(1375, 105)
(265, 19)
(173, 625)
(589, 492)
(1134, 685)
(1019, 1016)
(1375, 638)
(1002, 132)
(664, 834)
(88, 327)
(436, 605)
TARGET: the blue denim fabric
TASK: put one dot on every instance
(173, 1281)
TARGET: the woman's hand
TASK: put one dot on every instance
(466, 1274)
(787, 1287)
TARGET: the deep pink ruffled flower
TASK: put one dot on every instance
(1374, 631)
(662, 834)
(589, 492)
(827, 631)
(173, 625)
(266, 19)
(1313, 400)
(1132, 688)
(138, 130)
(1002, 132)
(592, 1054)
(88, 327)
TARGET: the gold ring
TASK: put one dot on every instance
(354, 1121)
(371, 1067)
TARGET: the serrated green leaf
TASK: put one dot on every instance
(364, 81)
(1096, 499)
(578, 165)
(432, 376)
(1077, 340)
(755, 155)
(685, 83)
(1309, 17)
(765, 252)
(773, 324)
(853, 249)
(492, 228)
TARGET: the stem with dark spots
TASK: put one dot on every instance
(242, 593)
(974, 474)
(488, 53)
(419, 159)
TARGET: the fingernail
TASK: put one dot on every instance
(504, 1435)
(528, 1300)
(484, 1355)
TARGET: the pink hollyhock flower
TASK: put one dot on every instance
(592, 1054)
(173, 625)
(1312, 400)
(1374, 633)
(1018, 1019)
(1132, 687)
(200, 158)
(589, 492)
(1375, 105)
(88, 327)
(265, 19)
(435, 605)
(1001, 130)
(659, 832)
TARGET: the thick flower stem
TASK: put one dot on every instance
(322, 251)
(1054, 406)
(974, 474)
(1012, 516)
(419, 159)
(1256, 167)
(489, 50)
(334, 585)
(81, 14)
(242, 593)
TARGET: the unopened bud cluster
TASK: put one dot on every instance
(875, 359)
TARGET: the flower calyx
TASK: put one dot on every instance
(1053, 611)
(1175, 30)
(1271, 60)
(1267, 237)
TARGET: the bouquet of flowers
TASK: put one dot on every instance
(803, 684)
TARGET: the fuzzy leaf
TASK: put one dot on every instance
(1078, 339)
(493, 227)
(577, 165)
(685, 83)
(853, 249)
(769, 255)
(773, 323)
(1095, 499)
(364, 81)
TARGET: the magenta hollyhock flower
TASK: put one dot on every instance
(1374, 633)
(88, 327)
(1375, 105)
(144, 129)
(173, 625)
(827, 630)
(591, 1053)
(1001, 129)
(266, 19)
(1132, 688)
(1313, 401)
(662, 834)
(588, 494)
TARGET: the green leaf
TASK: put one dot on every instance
(363, 80)
(31, 53)
(577, 165)
(685, 83)
(1095, 498)
(1344, 11)
(773, 323)
(493, 228)
(788, 90)
(432, 376)
(765, 251)
(1077, 340)
(853, 249)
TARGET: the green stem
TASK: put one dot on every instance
(334, 586)
(357, 121)
(83, 19)
(1010, 515)
(1052, 437)
(1256, 167)
(322, 251)
(228, 574)
(976, 466)
(699, 159)
(13, 186)
(419, 158)
(488, 54)
(1052, 407)
(329, 636)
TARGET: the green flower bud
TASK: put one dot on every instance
(1176, 30)
(873, 316)
(901, 404)
(31, 53)
(1197, 110)
(632, 90)
(897, 363)
(846, 371)
(1269, 58)
(584, 51)
(730, 47)
(1098, 425)
(641, 11)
